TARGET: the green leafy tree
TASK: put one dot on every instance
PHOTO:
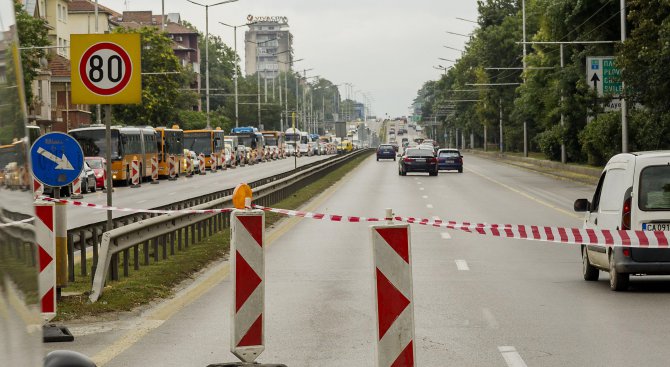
(33, 32)
(160, 92)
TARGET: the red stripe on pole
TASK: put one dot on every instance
(577, 234)
(536, 232)
(254, 335)
(549, 233)
(253, 224)
(406, 358)
(609, 240)
(48, 304)
(390, 303)
(625, 240)
(642, 237)
(522, 231)
(46, 215)
(246, 280)
(45, 258)
(593, 238)
(397, 239)
(563, 234)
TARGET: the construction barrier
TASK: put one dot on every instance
(216, 161)
(46, 248)
(393, 295)
(38, 188)
(135, 173)
(172, 168)
(154, 170)
(189, 167)
(202, 165)
(248, 274)
(76, 189)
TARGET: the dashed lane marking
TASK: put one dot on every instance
(490, 319)
(445, 235)
(172, 193)
(512, 357)
(421, 188)
(462, 265)
(141, 201)
(425, 196)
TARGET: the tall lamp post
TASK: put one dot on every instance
(209, 126)
(237, 64)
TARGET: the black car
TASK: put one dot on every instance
(418, 160)
(385, 151)
(450, 159)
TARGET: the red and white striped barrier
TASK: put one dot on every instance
(172, 168)
(38, 188)
(46, 245)
(222, 161)
(76, 189)
(575, 236)
(154, 170)
(189, 166)
(214, 159)
(135, 173)
(393, 295)
(248, 274)
(201, 164)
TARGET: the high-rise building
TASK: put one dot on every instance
(268, 46)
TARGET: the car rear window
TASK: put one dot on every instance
(449, 154)
(419, 153)
(385, 147)
(655, 188)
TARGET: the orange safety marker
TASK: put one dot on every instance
(172, 168)
(38, 188)
(393, 294)
(189, 166)
(214, 162)
(46, 247)
(248, 274)
(76, 189)
(135, 173)
(201, 164)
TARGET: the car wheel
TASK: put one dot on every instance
(618, 281)
(377, 159)
(84, 186)
(460, 170)
(94, 188)
(129, 178)
(394, 159)
(590, 272)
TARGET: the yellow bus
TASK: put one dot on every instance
(170, 142)
(128, 143)
(205, 142)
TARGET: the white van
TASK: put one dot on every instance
(633, 193)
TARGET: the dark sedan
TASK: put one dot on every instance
(385, 151)
(418, 160)
(450, 159)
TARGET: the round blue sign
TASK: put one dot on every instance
(56, 159)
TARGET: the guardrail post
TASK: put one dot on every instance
(155, 248)
(179, 237)
(164, 246)
(70, 259)
(146, 253)
(114, 267)
(82, 253)
(126, 262)
(171, 235)
(136, 257)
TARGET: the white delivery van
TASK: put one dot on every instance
(633, 193)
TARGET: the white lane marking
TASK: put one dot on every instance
(425, 196)
(429, 206)
(512, 357)
(172, 193)
(418, 182)
(462, 265)
(490, 319)
(421, 188)
(445, 235)
(141, 201)
(435, 217)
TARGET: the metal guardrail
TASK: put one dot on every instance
(88, 236)
(164, 230)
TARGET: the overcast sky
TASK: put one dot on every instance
(386, 48)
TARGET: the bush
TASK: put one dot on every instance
(549, 142)
(601, 138)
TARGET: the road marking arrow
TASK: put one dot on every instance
(61, 163)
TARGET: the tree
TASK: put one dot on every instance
(33, 32)
(160, 92)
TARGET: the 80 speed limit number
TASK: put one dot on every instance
(105, 68)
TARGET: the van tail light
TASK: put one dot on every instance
(625, 214)
(433, 160)
(407, 159)
(626, 252)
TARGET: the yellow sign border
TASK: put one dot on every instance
(130, 42)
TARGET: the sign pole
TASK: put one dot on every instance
(108, 158)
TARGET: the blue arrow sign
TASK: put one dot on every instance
(57, 159)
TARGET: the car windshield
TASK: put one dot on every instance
(655, 188)
(448, 154)
(419, 153)
(94, 163)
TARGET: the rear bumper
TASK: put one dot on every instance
(625, 264)
(449, 166)
(386, 156)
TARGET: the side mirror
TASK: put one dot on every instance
(582, 205)
(66, 358)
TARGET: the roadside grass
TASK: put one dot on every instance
(158, 280)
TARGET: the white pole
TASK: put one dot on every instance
(237, 61)
(207, 62)
(564, 157)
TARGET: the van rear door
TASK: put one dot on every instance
(651, 204)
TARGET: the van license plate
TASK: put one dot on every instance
(656, 226)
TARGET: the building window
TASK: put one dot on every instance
(60, 12)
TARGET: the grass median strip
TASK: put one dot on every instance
(158, 280)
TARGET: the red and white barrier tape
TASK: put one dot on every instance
(578, 236)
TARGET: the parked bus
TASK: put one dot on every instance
(128, 143)
(170, 143)
(275, 141)
(292, 138)
(205, 142)
(251, 139)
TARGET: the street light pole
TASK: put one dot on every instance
(209, 126)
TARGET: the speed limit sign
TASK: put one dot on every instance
(105, 69)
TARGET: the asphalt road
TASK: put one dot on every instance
(479, 301)
(150, 196)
